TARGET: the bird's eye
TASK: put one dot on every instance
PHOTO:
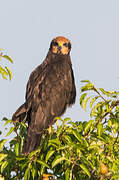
(55, 44)
(65, 44)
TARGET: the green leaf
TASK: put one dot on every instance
(66, 120)
(88, 126)
(99, 128)
(67, 138)
(93, 101)
(115, 177)
(57, 160)
(33, 172)
(49, 154)
(109, 123)
(20, 158)
(4, 77)
(59, 131)
(4, 119)
(112, 94)
(43, 163)
(87, 87)
(85, 169)
(58, 118)
(2, 156)
(85, 103)
(73, 124)
(27, 174)
(103, 91)
(67, 174)
(21, 145)
(2, 142)
(93, 111)
(85, 81)
(107, 106)
(82, 99)
(3, 166)
(24, 165)
(8, 58)
(8, 121)
(3, 73)
(10, 131)
(16, 149)
(63, 147)
(23, 124)
(77, 135)
(33, 153)
(54, 142)
(94, 146)
(9, 72)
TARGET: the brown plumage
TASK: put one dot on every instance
(50, 90)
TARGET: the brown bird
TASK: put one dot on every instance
(50, 90)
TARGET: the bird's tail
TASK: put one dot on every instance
(21, 114)
(32, 142)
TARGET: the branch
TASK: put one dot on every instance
(95, 89)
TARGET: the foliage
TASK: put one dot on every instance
(4, 70)
(70, 150)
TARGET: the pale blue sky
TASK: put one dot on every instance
(27, 28)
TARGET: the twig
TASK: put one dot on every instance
(99, 94)
(109, 112)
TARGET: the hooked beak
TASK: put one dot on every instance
(59, 48)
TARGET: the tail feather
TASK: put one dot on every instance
(20, 114)
(32, 142)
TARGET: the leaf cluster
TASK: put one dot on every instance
(5, 70)
(70, 150)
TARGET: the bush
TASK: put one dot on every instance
(70, 150)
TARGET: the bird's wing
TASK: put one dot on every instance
(32, 81)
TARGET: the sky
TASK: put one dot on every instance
(27, 28)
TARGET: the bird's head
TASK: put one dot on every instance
(60, 45)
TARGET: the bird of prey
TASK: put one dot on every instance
(50, 90)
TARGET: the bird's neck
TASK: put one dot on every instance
(51, 57)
